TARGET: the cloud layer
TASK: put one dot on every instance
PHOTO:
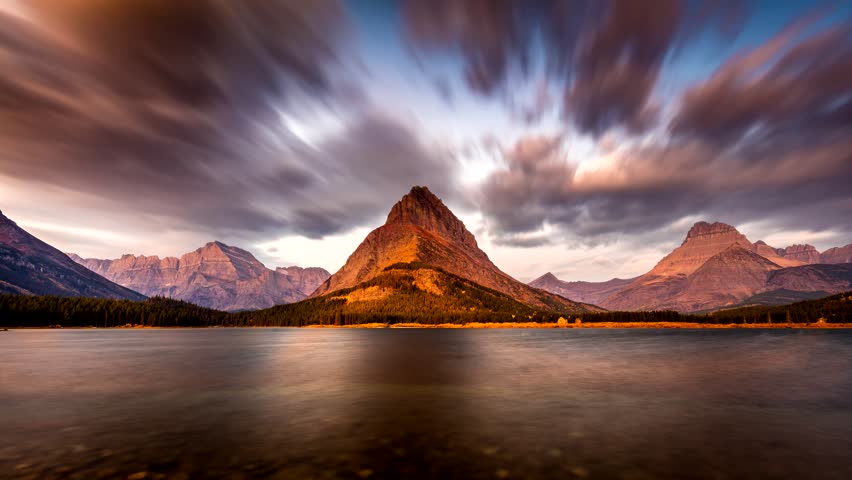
(606, 56)
(174, 109)
(769, 135)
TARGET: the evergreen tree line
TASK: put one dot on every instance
(33, 311)
(406, 305)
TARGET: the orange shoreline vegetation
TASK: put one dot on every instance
(587, 325)
(591, 325)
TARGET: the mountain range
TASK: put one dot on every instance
(423, 259)
(215, 276)
(716, 267)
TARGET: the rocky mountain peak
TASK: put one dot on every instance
(549, 276)
(702, 242)
(423, 209)
(701, 229)
(420, 229)
(797, 248)
(802, 252)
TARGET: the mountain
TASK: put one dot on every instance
(837, 255)
(718, 267)
(669, 279)
(586, 292)
(305, 280)
(421, 230)
(807, 254)
(831, 278)
(724, 279)
(29, 266)
(215, 276)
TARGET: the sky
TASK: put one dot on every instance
(582, 138)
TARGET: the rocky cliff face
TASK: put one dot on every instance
(807, 254)
(306, 280)
(703, 241)
(776, 255)
(716, 267)
(215, 276)
(29, 266)
(420, 228)
(586, 292)
(837, 255)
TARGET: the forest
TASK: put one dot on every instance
(406, 305)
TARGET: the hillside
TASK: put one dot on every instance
(29, 266)
(405, 292)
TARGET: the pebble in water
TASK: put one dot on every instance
(137, 476)
(580, 472)
(501, 473)
(490, 450)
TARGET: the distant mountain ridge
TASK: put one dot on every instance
(29, 266)
(215, 275)
(715, 267)
(421, 229)
(586, 292)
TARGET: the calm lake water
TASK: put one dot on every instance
(442, 404)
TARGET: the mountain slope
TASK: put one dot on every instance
(670, 276)
(586, 292)
(215, 276)
(723, 280)
(29, 266)
(813, 278)
(404, 292)
(420, 228)
(837, 255)
(718, 267)
(305, 280)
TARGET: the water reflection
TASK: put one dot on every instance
(272, 403)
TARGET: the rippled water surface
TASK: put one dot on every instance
(443, 404)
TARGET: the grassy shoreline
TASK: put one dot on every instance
(652, 325)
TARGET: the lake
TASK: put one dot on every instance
(431, 403)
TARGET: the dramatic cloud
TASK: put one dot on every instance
(608, 55)
(175, 110)
(768, 136)
(644, 189)
(783, 92)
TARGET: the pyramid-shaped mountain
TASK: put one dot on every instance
(421, 230)
(423, 261)
(29, 266)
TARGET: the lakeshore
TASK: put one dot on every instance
(649, 325)
(493, 325)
